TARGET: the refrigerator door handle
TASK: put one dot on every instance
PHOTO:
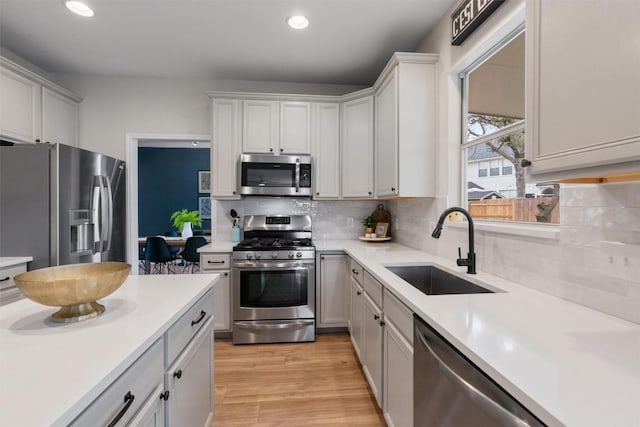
(96, 197)
(108, 204)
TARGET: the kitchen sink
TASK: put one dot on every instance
(433, 281)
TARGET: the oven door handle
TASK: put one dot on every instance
(270, 265)
(297, 175)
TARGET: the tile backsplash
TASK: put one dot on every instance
(595, 261)
(331, 219)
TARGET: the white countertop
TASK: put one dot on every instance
(568, 364)
(50, 372)
(218, 247)
(14, 260)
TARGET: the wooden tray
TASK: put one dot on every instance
(374, 239)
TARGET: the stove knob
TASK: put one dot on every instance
(290, 255)
(274, 255)
(299, 254)
(258, 255)
(249, 255)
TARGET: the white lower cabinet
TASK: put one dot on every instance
(372, 346)
(219, 263)
(333, 290)
(381, 329)
(189, 382)
(170, 385)
(355, 316)
(398, 377)
(152, 412)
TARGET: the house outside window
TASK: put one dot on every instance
(493, 141)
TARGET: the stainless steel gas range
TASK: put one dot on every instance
(274, 281)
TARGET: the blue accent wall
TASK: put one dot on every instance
(167, 182)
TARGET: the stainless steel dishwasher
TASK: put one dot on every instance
(450, 391)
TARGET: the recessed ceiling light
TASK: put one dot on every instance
(298, 22)
(79, 8)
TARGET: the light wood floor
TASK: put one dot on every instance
(318, 383)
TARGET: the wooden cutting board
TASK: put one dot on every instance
(382, 215)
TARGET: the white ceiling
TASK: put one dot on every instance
(347, 42)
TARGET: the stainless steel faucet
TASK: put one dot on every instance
(470, 260)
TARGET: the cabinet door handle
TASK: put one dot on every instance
(5, 279)
(358, 293)
(234, 192)
(271, 149)
(369, 192)
(226, 274)
(524, 163)
(322, 257)
(393, 189)
(382, 323)
(177, 374)
(376, 317)
(317, 194)
(164, 396)
(281, 150)
(199, 319)
(128, 400)
(354, 271)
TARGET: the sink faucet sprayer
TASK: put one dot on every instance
(470, 261)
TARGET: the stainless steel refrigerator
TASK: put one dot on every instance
(61, 205)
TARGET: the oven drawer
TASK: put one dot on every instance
(181, 332)
(356, 270)
(210, 262)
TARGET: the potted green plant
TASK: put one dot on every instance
(369, 222)
(183, 219)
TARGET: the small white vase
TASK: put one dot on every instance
(186, 230)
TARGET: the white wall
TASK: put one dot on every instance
(114, 106)
(595, 259)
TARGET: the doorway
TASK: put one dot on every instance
(134, 143)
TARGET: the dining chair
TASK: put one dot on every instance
(141, 260)
(174, 251)
(190, 253)
(157, 253)
(198, 232)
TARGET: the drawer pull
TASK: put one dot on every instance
(177, 374)
(215, 262)
(5, 279)
(165, 395)
(226, 274)
(199, 319)
(359, 293)
(128, 400)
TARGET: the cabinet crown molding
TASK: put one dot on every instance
(17, 68)
(405, 58)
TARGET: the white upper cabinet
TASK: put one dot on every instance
(357, 148)
(260, 126)
(19, 107)
(33, 109)
(278, 127)
(295, 127)
(225, 147)
(405, 127)
(326, 153)
(583, 88)
(59, 118)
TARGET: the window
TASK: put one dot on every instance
(493, 142)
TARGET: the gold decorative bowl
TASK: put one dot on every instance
(75, 287)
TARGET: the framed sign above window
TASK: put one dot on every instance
(204, 182)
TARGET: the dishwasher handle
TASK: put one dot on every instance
(490, 405)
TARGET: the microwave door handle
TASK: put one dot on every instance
(297, 175)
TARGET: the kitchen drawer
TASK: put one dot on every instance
(373, 288)
(215, 262)
(132, 388)
(9, 295)
(356, 270)
(398, 314)
(181, 332)
(8, 273)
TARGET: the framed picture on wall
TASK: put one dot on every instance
(204, 182)
(204, 207)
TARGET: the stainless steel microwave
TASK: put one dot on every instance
(269, 175)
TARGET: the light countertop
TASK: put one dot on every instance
(51, 372)
(568, 364)
(14, 260)
(218, 246)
